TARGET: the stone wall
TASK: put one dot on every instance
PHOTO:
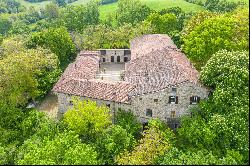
(162, 108)
(64, 103)
(139, 104)
(115, 53)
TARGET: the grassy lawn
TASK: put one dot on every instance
(105, 10)
(36, 5)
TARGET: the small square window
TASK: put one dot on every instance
(194, 100)
(71, 102)
(173, 99)
(172, 114)
(174, 90)
(108, 105)
(140, 98)
(155, 100)
(149, 112)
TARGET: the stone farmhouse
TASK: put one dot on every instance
(153, 79)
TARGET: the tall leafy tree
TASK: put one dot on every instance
(87, 119)
(20, 70)
(58, 40)
(131, 11)
(65, 148)
(217, 33)
(155, 142)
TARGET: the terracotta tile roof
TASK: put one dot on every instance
(79, 79)
(152, 70)
(97, 89)
(147, 43)
(158, 70)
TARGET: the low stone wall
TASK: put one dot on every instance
(139, 104)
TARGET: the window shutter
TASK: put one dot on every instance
(176, 100)
(191, 99)
(198, 99)
(169, 99)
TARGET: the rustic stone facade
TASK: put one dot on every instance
(158, 102)
(159, 81)
(115, 55)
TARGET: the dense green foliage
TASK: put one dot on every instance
(65, 148)
(156, 140)
(36, 44)
(37, 65)
(58, 40)
(86, 119)
(131, 11)
(222, 32)
(128, 121)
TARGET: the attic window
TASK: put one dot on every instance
(174, 90)
(194, 100)
(155, 100)
(149, 112)
(103, 52)
(173, 99)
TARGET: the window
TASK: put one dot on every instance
(194, 100)
(172, 114)
(155, 100)
(174, 90)
(112, 58)
(103, 59)
(127, 52)
(108, 105)
(118, 59)
(173, 99)
(115, 52)
(125, 59)
(103, 52)
(71, 102)
(140, 98)
(149, 112)
(176, 125)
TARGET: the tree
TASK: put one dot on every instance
(128, 121)
(221, 123)
(76, 18)
(87, 119)
(58, 40)
(198, 157)
(178, 12)
(222, 5)
(112, 142)
(131, 11)
(18, 88)
(196, 20)
(65, 148)
(163, 23)
(156, 140)
(51, 11)
(214, 34)
(5, 24)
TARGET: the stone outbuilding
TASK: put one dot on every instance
(153, 79)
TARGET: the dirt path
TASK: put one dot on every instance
(49, 105)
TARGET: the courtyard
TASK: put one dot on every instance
(111, 71)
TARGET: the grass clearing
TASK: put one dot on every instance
(36, 5)
(157, 5)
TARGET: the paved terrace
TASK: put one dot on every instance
(111, 71)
